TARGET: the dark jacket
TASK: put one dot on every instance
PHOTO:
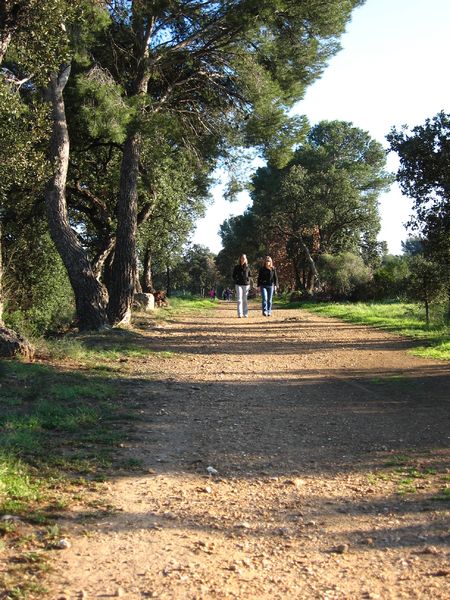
(241, 275)
(267, 277)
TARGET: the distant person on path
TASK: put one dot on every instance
(228, 295)
(241, 278)
(212, 294)
(267, 283)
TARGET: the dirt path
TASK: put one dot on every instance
(329, 444)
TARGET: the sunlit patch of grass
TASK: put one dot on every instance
(23, 590)
(440, 351)
(17, 488)
(406, 486)
(181, 305)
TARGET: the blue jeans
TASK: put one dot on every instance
(267, 295)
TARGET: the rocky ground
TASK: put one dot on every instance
(290, 457)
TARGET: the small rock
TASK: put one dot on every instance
(120, 592)
(63, 544)
(368, 541)
(244, 525)
(341, 549)
(10, 518)
(296, 481)
(212, 471)
(429, 550)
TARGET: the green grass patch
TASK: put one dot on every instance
(46, 414)
(438, 350)
(443, 495)
(60, 430)
(403, 318)
(180, 305)
(415, 474)
(398, 460)
(18, 489)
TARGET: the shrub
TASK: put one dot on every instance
(390, 281)
(38, 295)
(343, 274)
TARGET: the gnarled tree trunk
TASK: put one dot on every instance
(90, 295)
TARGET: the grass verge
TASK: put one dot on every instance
(401, 318)
(59, 433)
(180, 305)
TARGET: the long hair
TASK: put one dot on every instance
(269, 260)
(245, 261)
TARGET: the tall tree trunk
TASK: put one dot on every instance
(121, 289)
(148, 275)
(297, 273)
(311, 283)
(168, 281)
(5, 39)
(1, 276)
(448, 306)
(90, 295)
(313, 276)
(137, 281)
(124, 267)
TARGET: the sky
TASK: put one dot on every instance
(392, 70)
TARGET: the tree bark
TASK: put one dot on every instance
(90, 295)
(168, 281)
(103, 257)
(124, 266)
(147, 275)
(5, 39)
(448, 306)
(313, 275)
(121, 288)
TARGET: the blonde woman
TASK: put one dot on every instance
(267, 284)
(241, 278)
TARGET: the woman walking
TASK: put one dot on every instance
(267, 283)
(241, 278)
